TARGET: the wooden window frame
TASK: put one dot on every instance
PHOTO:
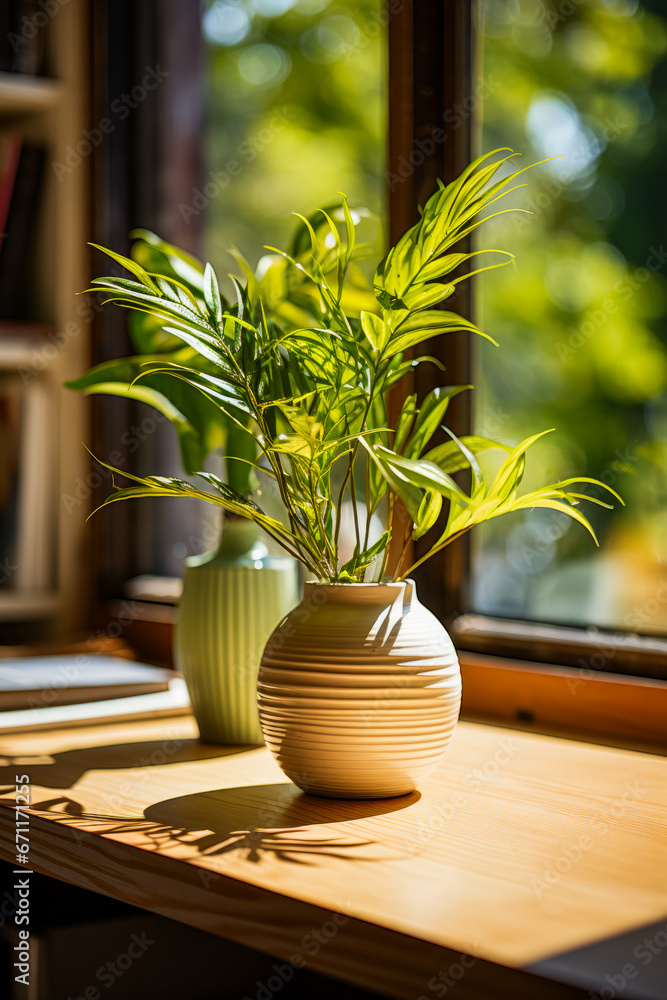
(149, 164)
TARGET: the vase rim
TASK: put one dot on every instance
(390, 589)
(343, 583)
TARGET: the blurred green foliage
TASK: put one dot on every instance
(581, 318)
(297, 111)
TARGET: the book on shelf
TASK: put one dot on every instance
(27, 470)
(10, 477)
(22, 167)
(38, 682)
(10, 152)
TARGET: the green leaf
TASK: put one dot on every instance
(595, 482)
(564, 508)
(229, 493)
(451, 458)
(429, 512)
(401, 486)
(375, 330)
(304, 360)
(405, 421)
(430, 323)
(478, 477)
(129, 265)
(507, 474)
(167, 257)
(212, 295)
(198, 422)
(195, 340)
(431, 414)
(354, 568)
(417, 472)
(424, 296)
(349, 227)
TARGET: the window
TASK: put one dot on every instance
(475, 72)
(288, 84)
(582, 317)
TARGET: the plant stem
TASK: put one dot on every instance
(390, 524)
(432, 552)
(331, 555)
(355, 449)
(406, 543)
(353, 498)
(368, 503)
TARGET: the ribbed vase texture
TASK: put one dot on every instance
(227, 612)
(359, 691)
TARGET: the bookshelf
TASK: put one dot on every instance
(51, 342)
(20, 94)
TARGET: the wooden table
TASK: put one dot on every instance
(519, 848)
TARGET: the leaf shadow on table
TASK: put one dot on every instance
(277, 819)
(63, 770)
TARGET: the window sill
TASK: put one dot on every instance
(583, 704)
(553, 699)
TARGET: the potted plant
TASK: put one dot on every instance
(359, 688)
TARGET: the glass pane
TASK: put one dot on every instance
(297, 111)
(581, 317)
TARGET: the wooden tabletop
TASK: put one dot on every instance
(519, 848)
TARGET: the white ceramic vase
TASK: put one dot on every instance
(359, 691)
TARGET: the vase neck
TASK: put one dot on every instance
(240, 538)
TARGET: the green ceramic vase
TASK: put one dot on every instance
(232, 600)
